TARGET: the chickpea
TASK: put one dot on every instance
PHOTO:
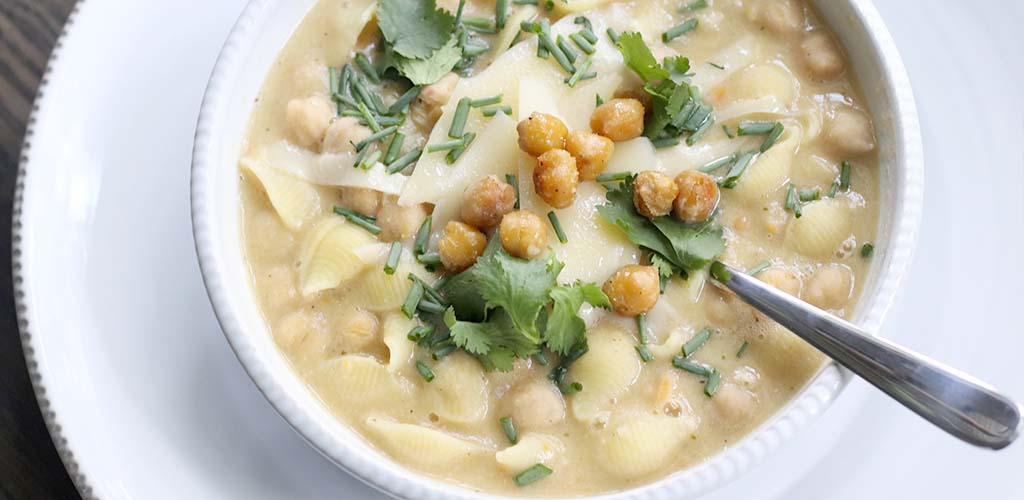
(460, 246)
(523, 234)
(830, 287)
(654, 193)
(698, 196)
(307, 120)
(427, 108)
(397, 222)
(637, 93)
(633, 289)
(343, 133)
(556, 178)
(783, 279)
(536, 405)
(485, 202)
(363, 200)
(591, 151)
(619, 119)
(849, 132)
(292, 328)
(357, 332)
(541, 133)
(783, 17)
(821, 56)
(734, 403)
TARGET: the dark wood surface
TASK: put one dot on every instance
(29, 465)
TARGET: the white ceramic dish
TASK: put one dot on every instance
(251, 48)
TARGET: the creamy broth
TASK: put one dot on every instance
(336, 315)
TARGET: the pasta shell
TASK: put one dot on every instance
(422, 445)
(294, 200)
(822, 228)
(460, 390)
(640, 445)
(765, 79)
(400, 348)
(606, 371)
(531, 449)
(354, 378)
(328, 257)
(771, 169)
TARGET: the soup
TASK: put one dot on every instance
(481, 232)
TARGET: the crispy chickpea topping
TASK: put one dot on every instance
(633, 289)
(485, 202)
(523, 234)
(619, 119)
(556, 178)
(460, 246)
(654, 193)
(591, 151)
(541, 133)
(698, 196)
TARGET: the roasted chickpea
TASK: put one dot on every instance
(523, 234)
(460, 246)
(619, 119)
(556, 178)
(698, 196)
(485, 202)
(654, 193)
(637, 93)
(591, 151)
(541, 133)
(633, 289)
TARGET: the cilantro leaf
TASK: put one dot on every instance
(521, 287)
(621, 212)
(429, 69)
(496, 343)
(639, 58)
(565, 329)
(694, 246)
(415, 29)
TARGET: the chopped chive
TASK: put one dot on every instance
(696, 342)
(679, 30)
(384, 121)
(579, 73)
(532, 475)
(641, 327)
(712, 384)
(566, 49)
(419, 246)
(553, 217)
(597, 100)
(364, 96)
(369, 161)
(844, 176)
(754, 271)
(754, 127)
(665, 142)
(792, 202)
(500, 13)
(525, 2)
(697, 118)
(458, 11)
(429, 260)
(715, 65)
(616, 177)
(645, 354)
(572, 388)
(445, 146)
(363, 221)
(454, 154)
(694, 367)
(588, 76)
(458, 126)
(486, 101)
(833, 190)
(364, 64)
(432, 294)
(393, 255)
(420, 332)
(867, 250)
(347, 101)
(528, 26)
(588, 34)
(478, 29)
(479, 22)
(425, 371)
(549, 44)
(370, 120)
(394, 148)
(584, 21)
(513, 181)
(713, 165)
(412, 301)
(692, 6)
(359, 157)
(549, 4)
(719, 272)
(444, 351)
(376, 136)
(810, 194)
(400, 104)
(541, 358)
(404, 161)
(582, 42)
(743, 348)
(497, 109)
(334, 79)
(737, 169)
(728, 133)
(430, 307)
(613, 35)
(772, 137)
(441, 282)
(475, 49)
(510, 429)
(709, 120)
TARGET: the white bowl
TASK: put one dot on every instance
(252, 47)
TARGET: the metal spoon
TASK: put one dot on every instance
(954, 401)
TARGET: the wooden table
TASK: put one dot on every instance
(29, 465)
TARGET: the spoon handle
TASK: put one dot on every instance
(954, 401)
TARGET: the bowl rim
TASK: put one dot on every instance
(389, 476)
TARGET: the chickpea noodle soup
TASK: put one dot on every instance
(482, 231)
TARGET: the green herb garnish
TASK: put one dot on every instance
(712, 383)
(364, 221)
(513, 181)
(742, 349)
(692, 6)
(643, 334)
(393, 255)
(679, 30)
(867, 250)
(694, 367)
(533, 474)
(510, 429)
(696, 342)
(425, 371)
(644, 352)
(557, 226)
(844, 176)
(754, 271)
(419, 246)
(404, 161)
(497, 109)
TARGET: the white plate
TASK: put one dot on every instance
(145, 400)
